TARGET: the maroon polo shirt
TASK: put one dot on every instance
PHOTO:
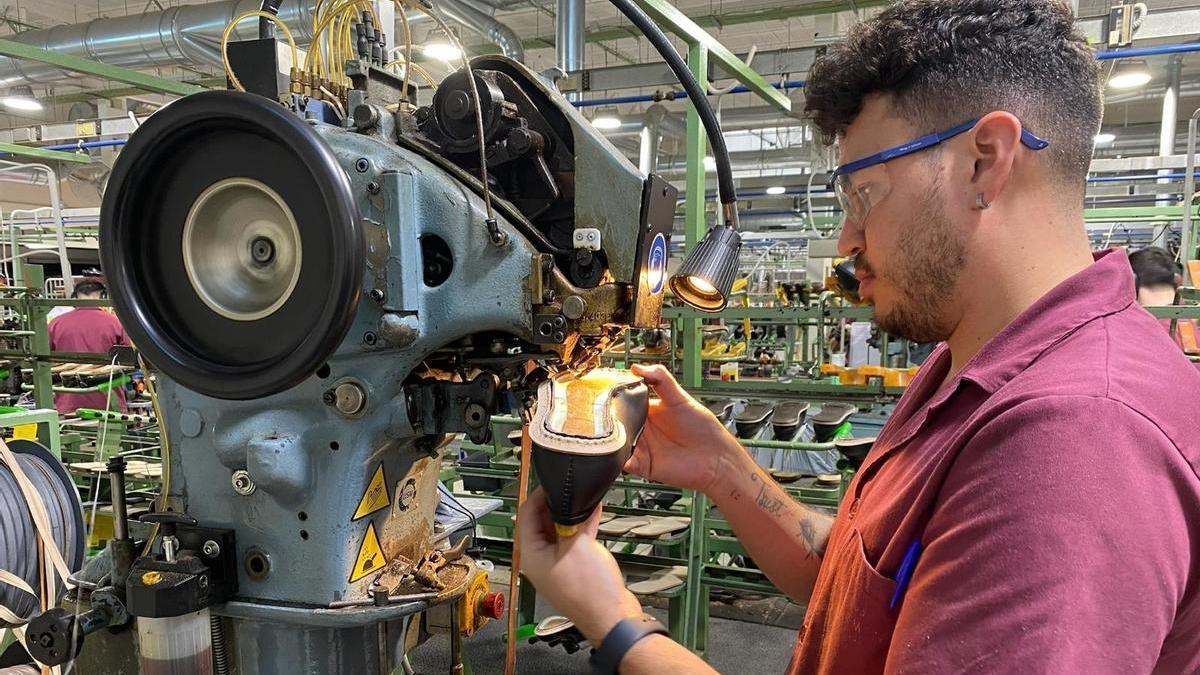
(93, 330)
(1053, 486)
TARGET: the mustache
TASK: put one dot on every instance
(862, 264)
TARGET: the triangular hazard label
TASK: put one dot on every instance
(370, 556)
(376, 496)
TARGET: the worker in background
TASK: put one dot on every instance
(1159, 276)
(1033, 502)
(92, 330)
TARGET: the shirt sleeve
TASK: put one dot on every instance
(120, 337)
(1059, 542)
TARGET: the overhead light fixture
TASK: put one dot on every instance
(776, 190)
(21, 98)
(606, 122)
(442, 51)
(710, 164)
(705, 278)
(1104, 138)
(1129, 74)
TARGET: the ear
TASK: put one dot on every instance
(995, 143)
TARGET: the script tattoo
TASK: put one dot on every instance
(770, 504)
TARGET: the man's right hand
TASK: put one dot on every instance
(683, 443)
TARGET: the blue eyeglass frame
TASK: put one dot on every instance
(1028, 139)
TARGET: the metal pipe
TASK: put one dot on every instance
(674, 95)
(83, 145)
(486, 25)
(651, 138)
(183, 35)
(568, 37)
(1166, 131)
(116, 485)
(56, 214)
(793, 84)
(1149, 51)
(23, 176)
(1186, 243)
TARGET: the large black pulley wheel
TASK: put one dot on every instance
(232, 245)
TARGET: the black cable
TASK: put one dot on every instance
(266, 27)
(696, 94)
(458, 506)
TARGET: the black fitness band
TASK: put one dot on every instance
(620, 640)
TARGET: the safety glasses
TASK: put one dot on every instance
(856, 201)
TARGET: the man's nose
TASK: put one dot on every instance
(850, 241)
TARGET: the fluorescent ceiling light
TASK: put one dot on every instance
(442, 51)
(710, 164)
(1104, 138)
(1129, 74)
(606, 122)
(776, 190)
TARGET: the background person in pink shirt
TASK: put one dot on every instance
(1037, 483)
(1159, 277)
(93, 330)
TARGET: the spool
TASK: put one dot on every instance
(18, 535)
(233, 245)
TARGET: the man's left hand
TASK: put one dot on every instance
(576, 574)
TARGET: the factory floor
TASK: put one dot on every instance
(735, 646)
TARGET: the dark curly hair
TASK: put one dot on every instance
(1154, 266)
(947, 61)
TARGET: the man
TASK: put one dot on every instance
(1044, 485)
(88, 329)
(1159, 276)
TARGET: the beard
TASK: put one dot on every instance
(924, 272)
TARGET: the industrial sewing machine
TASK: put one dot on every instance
(325, 301)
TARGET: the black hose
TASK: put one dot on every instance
(266, 27)
(696, 94)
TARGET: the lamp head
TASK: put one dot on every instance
(706, 276)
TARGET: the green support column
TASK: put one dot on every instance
(694, 216)
(696, 595)
(35, 320)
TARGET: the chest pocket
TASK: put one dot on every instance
(857, 612)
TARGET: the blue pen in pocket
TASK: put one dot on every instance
(904, 574)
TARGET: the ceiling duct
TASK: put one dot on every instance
(466, 13)
(184, 35)
(190, 35)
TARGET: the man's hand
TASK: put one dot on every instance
(576, 574)
(581, 579)
(683, 443)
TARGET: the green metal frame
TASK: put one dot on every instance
(677, 22)
(781, 13)
(47, 421)
(34, 339)
(19, 50)
(39, 153)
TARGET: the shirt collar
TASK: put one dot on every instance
(1102, 288)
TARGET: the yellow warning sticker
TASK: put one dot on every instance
(376, 496)
(370, 556)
